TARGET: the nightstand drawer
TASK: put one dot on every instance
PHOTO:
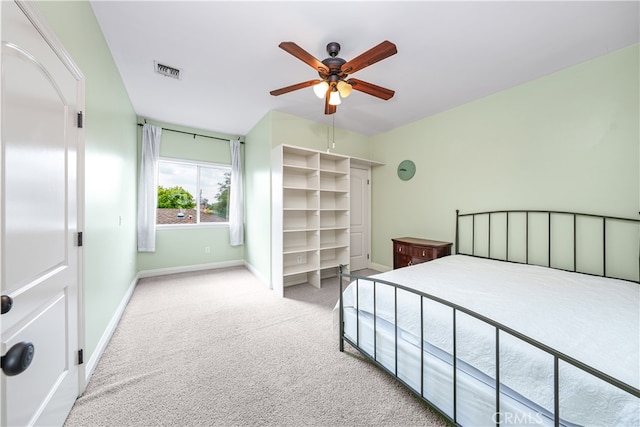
(410, 250)
(403, 249)
(422, 252)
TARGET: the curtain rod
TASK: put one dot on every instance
(194, 134)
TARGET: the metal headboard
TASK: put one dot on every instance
(634, 225)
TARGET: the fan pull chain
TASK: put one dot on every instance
(328, 140)
(333, 133)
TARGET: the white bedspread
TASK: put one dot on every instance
(592, 319)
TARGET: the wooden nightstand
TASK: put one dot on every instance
(410, 250)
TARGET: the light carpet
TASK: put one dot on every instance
(216, 348)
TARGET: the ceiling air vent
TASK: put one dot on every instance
(166, 70)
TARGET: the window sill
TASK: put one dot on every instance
(188, 226)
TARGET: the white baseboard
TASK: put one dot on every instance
(256, 273)
(108, 333)
(379, 267)
(113, 324)
(189, 268)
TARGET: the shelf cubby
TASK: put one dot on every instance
(299, 157)
(334, 219)
(332, 162)
(300, 220)
(300, 241)
(333, 181)
(300, 262)
(296, 198)
(333, 257)
(334, 238)
(334, 200)
(293, 177)
(311, 277)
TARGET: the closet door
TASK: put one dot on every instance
(41, 98)
(360, 193)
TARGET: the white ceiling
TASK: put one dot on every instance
(449, 53)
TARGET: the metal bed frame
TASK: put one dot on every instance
(557, 356)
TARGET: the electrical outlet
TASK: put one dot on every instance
(299, 259)
(207, 249)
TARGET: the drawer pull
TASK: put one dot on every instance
(423, 254)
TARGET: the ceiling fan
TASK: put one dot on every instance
(333, 73)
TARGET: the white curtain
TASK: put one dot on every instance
(236, 202)
(147, 188)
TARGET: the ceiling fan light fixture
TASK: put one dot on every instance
(333, 71)
(320, 89)
(344, 88)
(334, 98)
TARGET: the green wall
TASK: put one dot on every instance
(567, 141)
(257, 182)
(292, 130)
(184, 248)
(110, 166)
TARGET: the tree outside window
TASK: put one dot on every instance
(193, 193)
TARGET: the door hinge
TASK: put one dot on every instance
(367, 256)
(80, 121)
(367, 182)
(80, 239)
(80, 357)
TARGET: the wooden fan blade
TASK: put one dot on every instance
(373, 55)
(304, 56)
(371, 89)
(328, 108)
(294, 87)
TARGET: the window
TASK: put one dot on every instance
(192, 192)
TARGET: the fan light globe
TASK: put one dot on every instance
(321, 89)
(334, 98)
(344, 88)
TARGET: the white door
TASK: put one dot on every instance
(359, 212)
(40, 258)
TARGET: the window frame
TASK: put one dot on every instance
(198, 164)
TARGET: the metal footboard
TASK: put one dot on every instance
(499, 328)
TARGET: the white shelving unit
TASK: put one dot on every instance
(310, 215)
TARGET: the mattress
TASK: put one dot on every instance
(592, 319)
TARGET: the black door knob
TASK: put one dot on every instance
(17, 359)
(7, 303)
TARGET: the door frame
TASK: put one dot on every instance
(34, 15)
